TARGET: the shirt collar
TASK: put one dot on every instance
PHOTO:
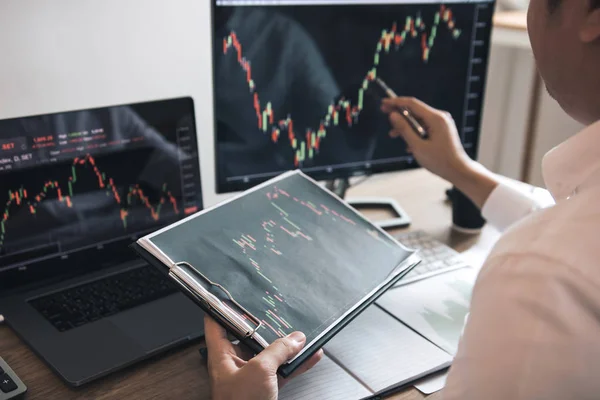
(571, 163)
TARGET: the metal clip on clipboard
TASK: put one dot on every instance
(192, 280)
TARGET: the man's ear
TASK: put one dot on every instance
(590, 31)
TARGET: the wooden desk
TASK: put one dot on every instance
(180, 374)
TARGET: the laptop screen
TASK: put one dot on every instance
(78, 187)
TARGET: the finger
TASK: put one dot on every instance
(415, 105)
(394, 133)
(387, 106)
(243, 351)
(307, 365)
(218, 346)
(281, 351)
(404, 130)
(399, 124)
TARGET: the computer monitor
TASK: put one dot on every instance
(78, 187)
(292, 81)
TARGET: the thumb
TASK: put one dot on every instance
(281, 350)
(404, 130)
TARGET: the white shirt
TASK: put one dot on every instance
(534, 325)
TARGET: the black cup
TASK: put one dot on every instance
(466, 216)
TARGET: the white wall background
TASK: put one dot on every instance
(507, 107)
(553, 127)
(69, 54)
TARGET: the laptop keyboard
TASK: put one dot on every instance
(92, 301)
(436, 256)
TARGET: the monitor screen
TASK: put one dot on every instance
(293, 81)
(78, 187)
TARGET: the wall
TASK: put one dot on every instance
(507, 106)
(553, 126)
(69, 54)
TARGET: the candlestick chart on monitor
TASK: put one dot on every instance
(343, 111)
(87, 196)
(293, 83)
(93, 180)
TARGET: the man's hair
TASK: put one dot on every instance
(554, 4)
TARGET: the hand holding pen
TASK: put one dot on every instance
(431, 134)
(404, 111)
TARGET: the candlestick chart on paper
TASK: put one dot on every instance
(293, 255)
(306, 143)
(284, 226)
(88, 194)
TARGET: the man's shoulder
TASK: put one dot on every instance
(565, 233)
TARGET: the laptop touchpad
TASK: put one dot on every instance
(163, 322)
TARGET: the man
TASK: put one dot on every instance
(534, 326)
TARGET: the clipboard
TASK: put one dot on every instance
(215, 299)
(190, 280)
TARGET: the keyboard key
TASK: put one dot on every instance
(436, 265)
(453, 261)
(427, 252)
(92, 301)
(435, 255)
(7, 385)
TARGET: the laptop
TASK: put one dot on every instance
(76, 189)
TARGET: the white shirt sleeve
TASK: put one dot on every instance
(507, 205)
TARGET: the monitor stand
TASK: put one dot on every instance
(401, 219)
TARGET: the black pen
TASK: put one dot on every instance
(405, 112)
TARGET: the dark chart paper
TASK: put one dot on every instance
(295, 256)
